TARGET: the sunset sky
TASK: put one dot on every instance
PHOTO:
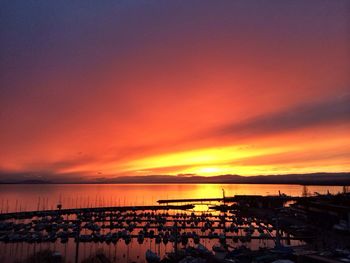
(93, 89)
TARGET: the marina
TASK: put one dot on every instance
(175, 131)
(180, 228)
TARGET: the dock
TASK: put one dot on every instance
(229, 220)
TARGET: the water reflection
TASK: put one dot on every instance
(42, 197)
(184, 227)
(33, 197)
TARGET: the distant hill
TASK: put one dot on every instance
(307, 179)
(310, 179)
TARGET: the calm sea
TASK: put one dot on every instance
(42, 197)
(26, 197)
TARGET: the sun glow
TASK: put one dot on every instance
(209, 161)
(259, 158)
(209, 170)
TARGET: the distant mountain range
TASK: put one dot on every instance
(308, 179)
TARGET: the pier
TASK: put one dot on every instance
(229, 221)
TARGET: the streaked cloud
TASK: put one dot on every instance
(103, 89)
(321, 113)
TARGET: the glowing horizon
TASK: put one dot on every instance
(117, 89)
